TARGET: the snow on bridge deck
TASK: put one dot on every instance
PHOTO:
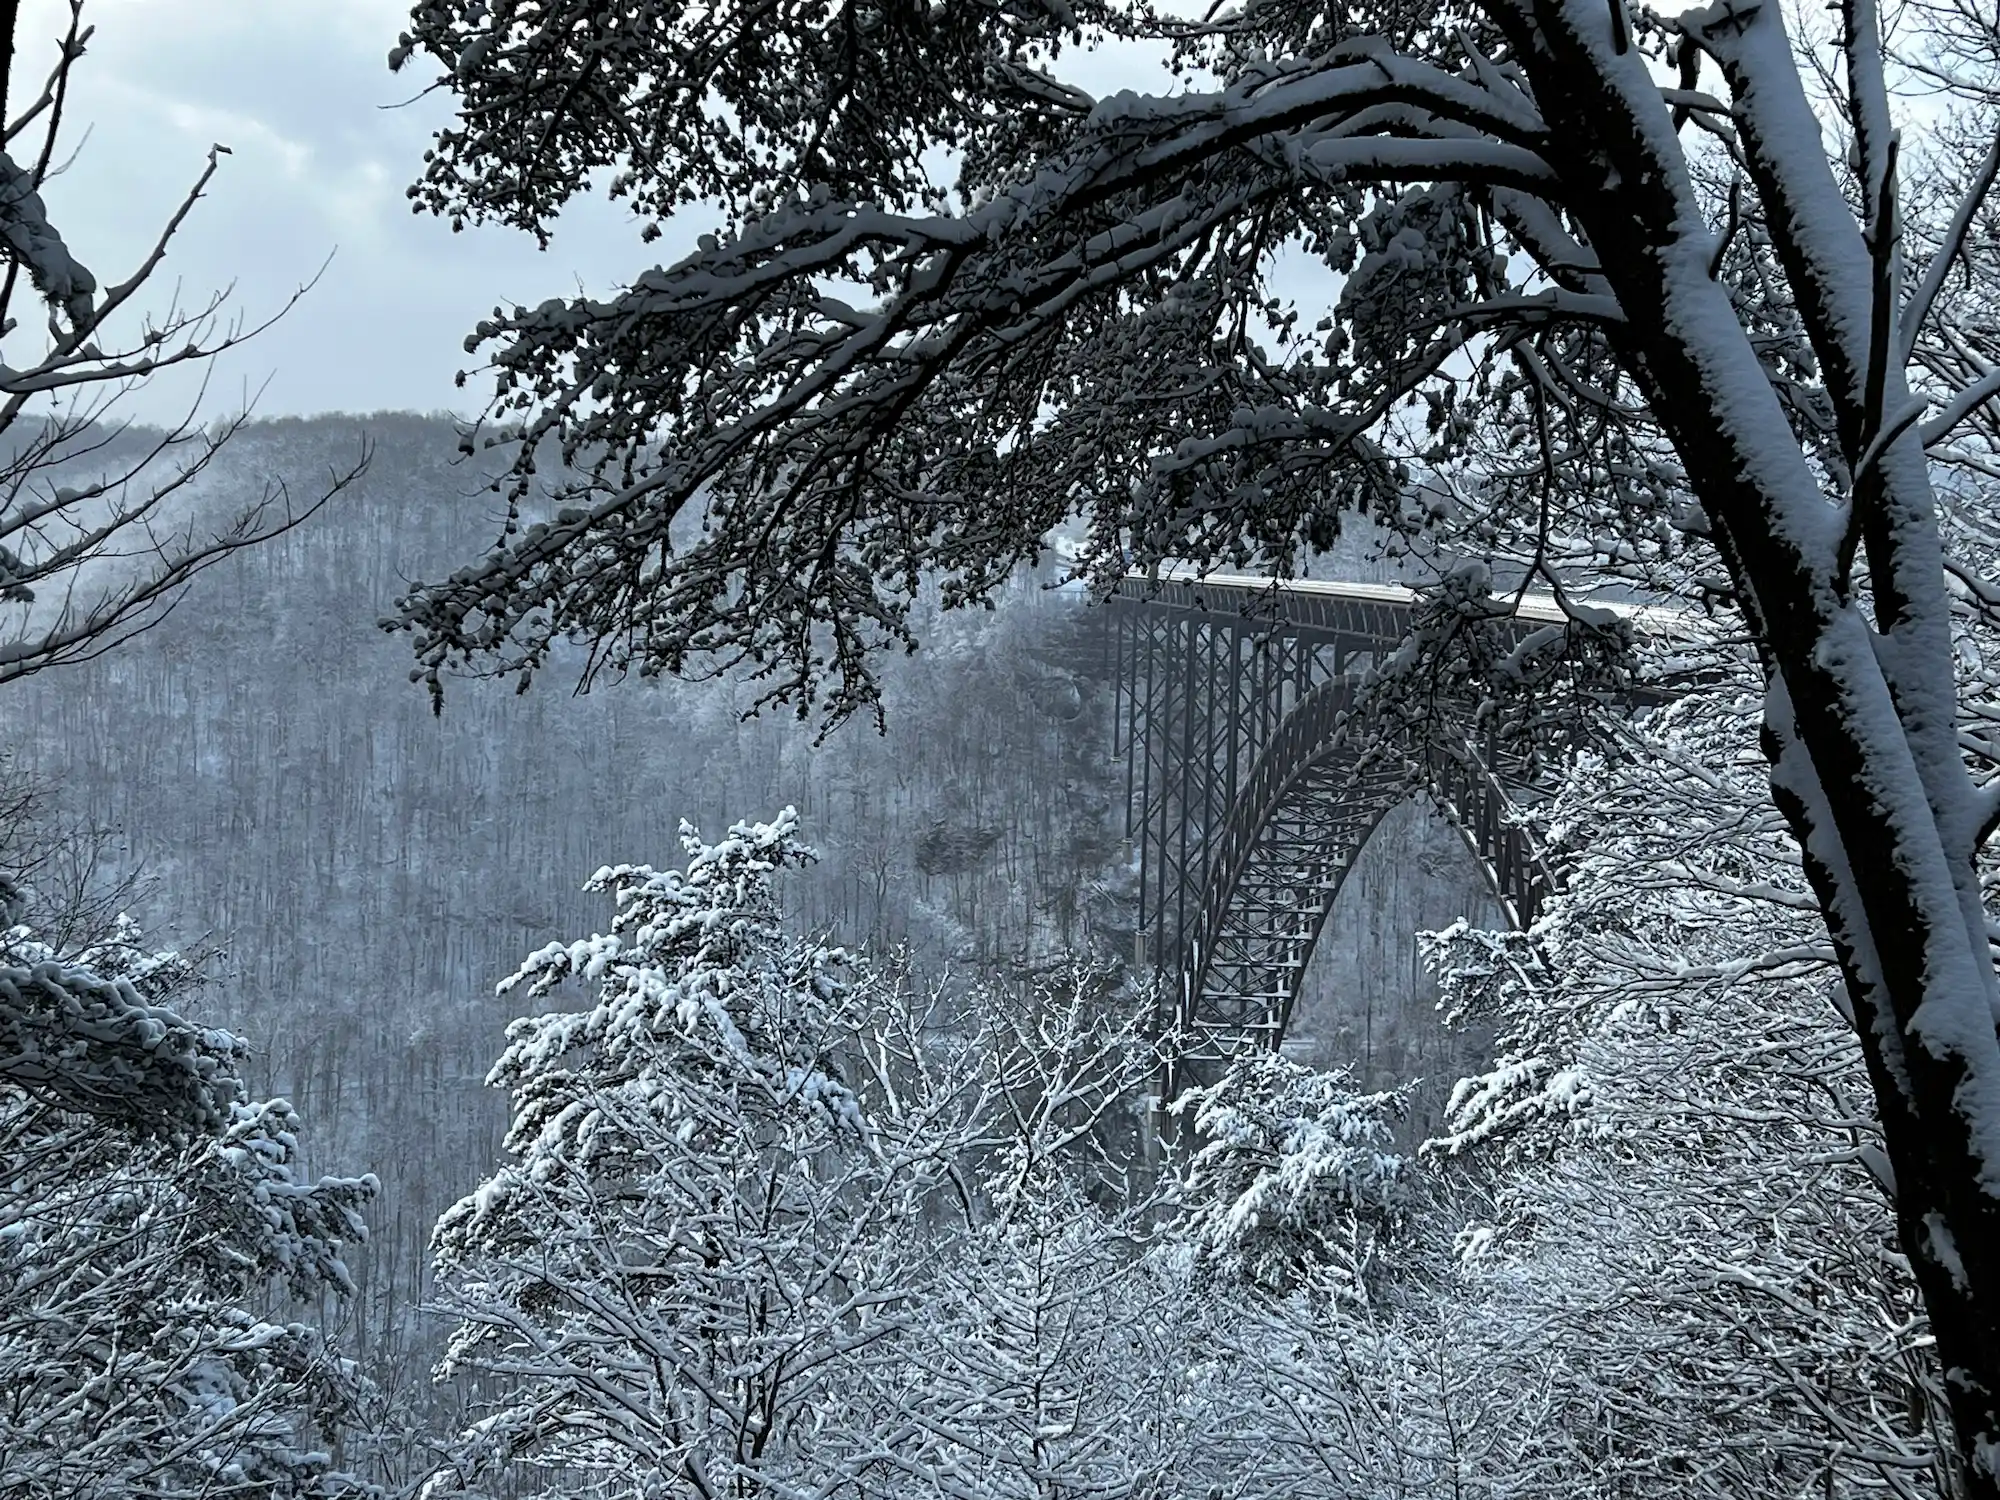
(1540, 608)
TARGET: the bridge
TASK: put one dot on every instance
(1247, 804)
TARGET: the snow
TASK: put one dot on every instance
(1668, 392)
(34, 243)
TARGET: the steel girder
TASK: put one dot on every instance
(1246, 805)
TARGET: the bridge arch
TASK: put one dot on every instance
(1300, 818)
(1248, 801)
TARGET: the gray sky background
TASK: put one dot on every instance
(324, 142)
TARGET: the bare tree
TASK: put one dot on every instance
(96, 543)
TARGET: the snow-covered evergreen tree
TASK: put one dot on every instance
(771, 1225)
(1291, 1178)
(702, 1247)
(153, 1227)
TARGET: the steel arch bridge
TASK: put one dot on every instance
(1246, 805)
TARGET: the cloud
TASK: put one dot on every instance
(324, 142)
(203, 124)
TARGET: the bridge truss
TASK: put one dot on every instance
(1247, 805)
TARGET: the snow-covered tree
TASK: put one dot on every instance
(1692, 1252)
(772, 1225)
(82, 1036)
(1055, 1355)
(1067, 1065)
(702, 1246)
(1647, 297)
(151, 1214)
(1291, 1177)
(1056, 1360)
(1310, 1395)
(1315, 1263)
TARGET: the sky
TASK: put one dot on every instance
(324, 140)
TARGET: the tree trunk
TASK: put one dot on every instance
(1860, 715)
(10, 11)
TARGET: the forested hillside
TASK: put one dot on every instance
(372, 871)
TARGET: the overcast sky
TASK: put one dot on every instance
(324, 141)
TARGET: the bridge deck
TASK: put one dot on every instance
(1539, 607)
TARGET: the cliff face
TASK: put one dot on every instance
(373, 871)
(1367, 1003)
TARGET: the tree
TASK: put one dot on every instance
(95, 540)
(1056, 1357)
(698, 1255)
(1630, 328)
(151, 1206)
(76, 1033)
(1690, 1252)
(1057, 1360)
(1316, 1263)
(1291, 1178)
(774, 1226)
(1309, 1394)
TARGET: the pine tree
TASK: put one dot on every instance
(685, 1275)
(151, 1215)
